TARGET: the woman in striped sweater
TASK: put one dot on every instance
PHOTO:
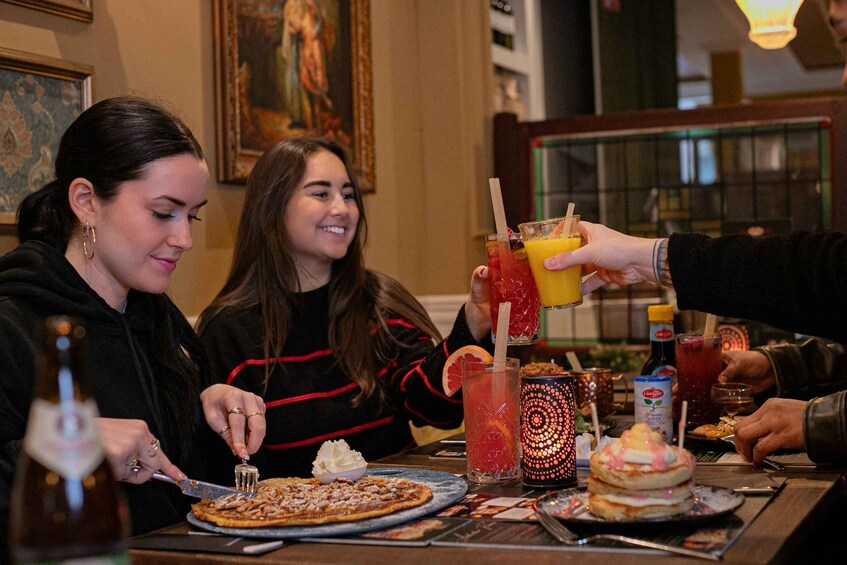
(334, 349)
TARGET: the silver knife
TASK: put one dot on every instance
(200, 489)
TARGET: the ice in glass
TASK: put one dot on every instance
(510, 280)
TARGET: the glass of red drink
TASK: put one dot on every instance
(698, 364)
(510, 280)
(492, 421)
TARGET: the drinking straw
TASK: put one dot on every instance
(596, 421)
(498, 371)
(711, 321)
(568, 219)
(684, 416)
(565, 225)
(503, 249)
(503, 314)
(575, 364)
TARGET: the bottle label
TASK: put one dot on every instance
(664, 371)
(661, 331)
(64, 437)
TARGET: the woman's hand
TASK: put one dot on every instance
(750, 367)
(613, 256)
(133, 452)
(778, 424)
(477, 312)
(237, 415)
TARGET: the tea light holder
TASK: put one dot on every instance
(548, 431)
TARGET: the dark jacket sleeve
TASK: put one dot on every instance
(804, 372)
(415, 376)
(16, 386)
(796, 282)
(811, 369)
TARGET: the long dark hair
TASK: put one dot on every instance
(264, 272)
(110, 143)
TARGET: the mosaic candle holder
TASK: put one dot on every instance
(548, 431)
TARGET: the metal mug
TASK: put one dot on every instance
(597, 385)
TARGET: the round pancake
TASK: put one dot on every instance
(640, 477)
(598, 487)
(602, 506)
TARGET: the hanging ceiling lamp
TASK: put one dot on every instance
(771, 21)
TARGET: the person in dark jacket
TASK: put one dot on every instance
(796, 282)
(337, 351)
(100, 243)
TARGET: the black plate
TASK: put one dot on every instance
(710, 503)
(711, 443)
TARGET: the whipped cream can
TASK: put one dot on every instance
(653, 404)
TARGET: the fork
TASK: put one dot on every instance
(567, 537)
(246, 477)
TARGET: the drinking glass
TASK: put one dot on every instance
(543, 239)
(510, 280)
(698, 364)
(732, 397)
(492, 421)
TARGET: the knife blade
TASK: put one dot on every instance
(201, 489)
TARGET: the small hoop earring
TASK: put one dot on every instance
(88, 248)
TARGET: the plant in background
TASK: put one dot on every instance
(616, 357)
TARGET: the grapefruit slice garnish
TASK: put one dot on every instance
(451, 374)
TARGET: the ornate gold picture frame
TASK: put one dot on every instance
(81, 10)
(292, 68)
(39, 98)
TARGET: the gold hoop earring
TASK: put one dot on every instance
(88, 247)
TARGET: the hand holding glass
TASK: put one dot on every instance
(732, 397)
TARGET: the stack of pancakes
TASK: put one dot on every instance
(640, 476)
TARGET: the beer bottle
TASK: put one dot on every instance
(65, 504)
(662, 361)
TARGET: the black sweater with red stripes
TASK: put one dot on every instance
(310, 400)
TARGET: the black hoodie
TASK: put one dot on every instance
(36, 281)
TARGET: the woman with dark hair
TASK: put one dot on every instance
(100, 243)
(336, 350)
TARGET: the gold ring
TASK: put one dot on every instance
(256, 413)
(154, 446)
(224, 430)
(134, 466)
(236, 410)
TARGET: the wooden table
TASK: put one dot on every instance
(805, 520)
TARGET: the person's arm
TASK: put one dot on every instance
(825, 428)
(415, 378)
(811, 369)
(796, 281)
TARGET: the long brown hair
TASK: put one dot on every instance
(264, 273)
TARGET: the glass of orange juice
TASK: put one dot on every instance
(543, 239)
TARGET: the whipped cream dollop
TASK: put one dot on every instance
(337, 457)
(639, 445)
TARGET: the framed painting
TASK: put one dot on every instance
(81, 10)
(39, 98)
(292, 68)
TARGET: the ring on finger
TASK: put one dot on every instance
(256, 413)
(154, 447)
(236, 410)
(224, 430)
(134, 465)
